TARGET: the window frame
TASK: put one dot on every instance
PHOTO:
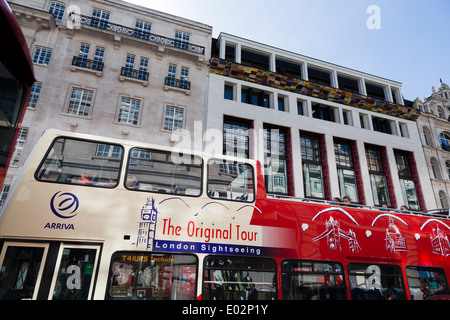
(312, 272)
(172, 119)
(399, 269)
(236, 162)
(150, 150)
(42, 57)
(79, 102)
(244, 261)
(149, 254)
(50, 148)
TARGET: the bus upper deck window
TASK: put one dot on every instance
(164, 172)
(230, 181)
(81, 162)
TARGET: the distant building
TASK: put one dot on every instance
(111, 68)
(434, 129)
(321, 130)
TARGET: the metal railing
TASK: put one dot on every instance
(147, 36)
(178, 83)
(133, 73)
(87, 63)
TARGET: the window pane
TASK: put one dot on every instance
(152, 276)
(164, 172)
(347, 184)
(19, 272)
(236, 139)
(275, 162)
(376, 282)
(307, 280)
(233, 278)
(426, 282)
(409, 194)
(82, 162)
(230, 180)
(379, 190)
(313, 180)
(75, 274)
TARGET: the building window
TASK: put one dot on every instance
(129, 111)
(346, 171)
(275, 161)
(142, 29)
(173, 119)
(447, 164)
(323, 112)
(319, 76)
(182, 39)
(228, 92)
(236, 138)
(109, 151)
(184, 79)
(381, 125)
(171, 75)
(300, 108)
(57, 8)
(20, 143)
(42, 55)
(255, 97)
(407, 184)
(34, 96)
(100, 18)
(80, 102)
(312, 166)
(377, 177)
(4, 194)
(375, 91)
(348, 84)
(281, 104)
(445, 141)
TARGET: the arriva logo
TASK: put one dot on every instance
(64, 205)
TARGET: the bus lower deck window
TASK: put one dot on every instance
(152, 276)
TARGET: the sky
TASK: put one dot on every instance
(409, 43)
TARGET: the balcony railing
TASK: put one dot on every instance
(135, 74)
(150, 37)
(87, 63)
(178, 83)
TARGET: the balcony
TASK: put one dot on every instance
(177, 84)
(134, 75)
(139, 34)
(79, 63)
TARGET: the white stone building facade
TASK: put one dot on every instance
(111, 68)
(434, 129)
(334, 131)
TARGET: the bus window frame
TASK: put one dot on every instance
(368, 264)
(207, 268)
(315, 273)
(447, 295)
(63, 246)
(190, 155)
(44, 158)
(44, 245)
(149, 253)
(236, 162)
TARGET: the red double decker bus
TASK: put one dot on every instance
(98, 218)
(16, 79)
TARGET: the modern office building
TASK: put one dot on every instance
(434, 129)
(111, 68)
(320, 130)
